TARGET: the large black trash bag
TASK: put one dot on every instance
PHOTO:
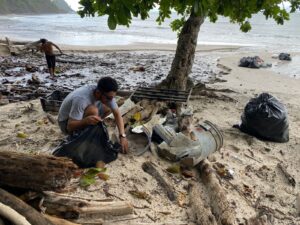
(285, 56)
(266, 118)
(251, 62)
(89, 146)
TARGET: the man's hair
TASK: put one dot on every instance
(107, 84)
(43, 40)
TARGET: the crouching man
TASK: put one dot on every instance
(88, 105)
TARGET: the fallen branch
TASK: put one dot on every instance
(49, 193)
(240, 192)
(289, 177)
(250, 157)
(12, 216)
(59, 221)
(149, 168)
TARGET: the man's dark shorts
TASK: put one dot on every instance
(50, 61)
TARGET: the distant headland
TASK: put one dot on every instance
(36, 7)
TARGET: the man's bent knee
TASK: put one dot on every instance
(91, 110)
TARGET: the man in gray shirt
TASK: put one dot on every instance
(88, 105)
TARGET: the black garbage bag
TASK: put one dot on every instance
(89, 146)
(251, 62)
(285, 56)
(266, 118)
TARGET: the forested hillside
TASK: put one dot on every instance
(62, 5)
(33, 7)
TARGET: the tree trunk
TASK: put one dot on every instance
(185, 54)
(35, 172)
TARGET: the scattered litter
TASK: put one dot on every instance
(187, 173)
(222, 171)
(22, 135)
(141, 195)
(174, 169)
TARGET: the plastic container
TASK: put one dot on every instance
(210, 139)
(181, 148)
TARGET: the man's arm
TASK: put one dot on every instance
(120, 125)
(57, 47)
(75, 125)
(80, 124)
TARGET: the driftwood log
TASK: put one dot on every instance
(59, 221)
(220, 206)
(200, 210)
(149, 168)
(9, 46)
(35, 172)
(75, 208)
(70, 61)
(31, 215)
(12, 215)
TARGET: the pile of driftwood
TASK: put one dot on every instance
(19, 47)
(36, 181)
(21, 170)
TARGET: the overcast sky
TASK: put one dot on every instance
(73, 3)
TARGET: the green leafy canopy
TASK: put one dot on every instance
(120, 12)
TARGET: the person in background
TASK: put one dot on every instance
(90, 104)
(47, 48)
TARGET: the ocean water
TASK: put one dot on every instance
(73, 30)
(93, 31)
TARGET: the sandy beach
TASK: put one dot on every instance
(258, 186)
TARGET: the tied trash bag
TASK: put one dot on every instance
(266, 118)
(251, 62)
(89, 146)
